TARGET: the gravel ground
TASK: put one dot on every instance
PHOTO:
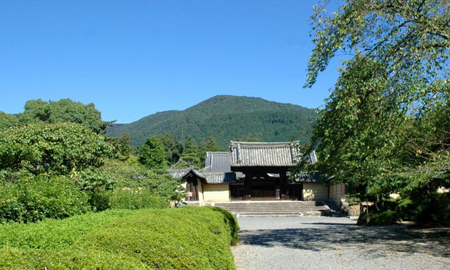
(337, 243)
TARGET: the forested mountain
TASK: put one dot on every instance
(225, 118)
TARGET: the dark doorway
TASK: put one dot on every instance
(192, 189)
(264, 191)
(295, 191)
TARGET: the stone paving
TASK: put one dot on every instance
(337, 243)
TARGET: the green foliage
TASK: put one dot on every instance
(430, 207)
(14, 258)
(152, 154)
(123, 149)
(7, 120)
(385, 127)
(128, 198)
(64, 110)
(135, 176)
(225, 118)
(57, 234)
(194, 154)
(186, 238)
(93, 180)
(174, 149)
(35, 198)
(388, 217)
(232, 223)
(44, 148)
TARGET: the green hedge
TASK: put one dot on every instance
(185, 238)
(14, 258)
(35, 198)
(127, 198)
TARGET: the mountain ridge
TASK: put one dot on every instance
(226, 118)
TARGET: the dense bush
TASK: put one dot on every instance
(127, 198)
(34, 198)
(388, 217)
(424, 207)
(185, 238)
(136, 176)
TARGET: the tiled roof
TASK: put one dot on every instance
(205, 174)
(177, 174)
(220, 177)
(258, 154)
(218, 161)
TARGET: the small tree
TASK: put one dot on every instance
(152, 154)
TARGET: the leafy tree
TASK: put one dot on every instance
(43, 148)
(64, 110)
(379, 130)
(152, 154)
(7, 120)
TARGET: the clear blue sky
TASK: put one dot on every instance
(132, 58)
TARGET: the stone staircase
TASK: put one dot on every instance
(277, 208)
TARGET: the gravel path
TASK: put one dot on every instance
(337, 243)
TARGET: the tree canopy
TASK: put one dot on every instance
(64, 110)
(45, 148)
(385, 127)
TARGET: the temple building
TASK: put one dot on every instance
(257, 171)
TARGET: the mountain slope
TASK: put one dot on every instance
(226, 118)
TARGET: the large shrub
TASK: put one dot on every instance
(185, 238)
(34, 198)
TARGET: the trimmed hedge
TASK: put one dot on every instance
(15, 258)
(185, 238)
(137, 199)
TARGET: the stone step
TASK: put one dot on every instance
(294, 209)
(282, 214)
(275, 208)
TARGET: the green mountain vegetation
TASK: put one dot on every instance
(225, 118)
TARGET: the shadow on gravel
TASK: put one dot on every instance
(372, 241)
